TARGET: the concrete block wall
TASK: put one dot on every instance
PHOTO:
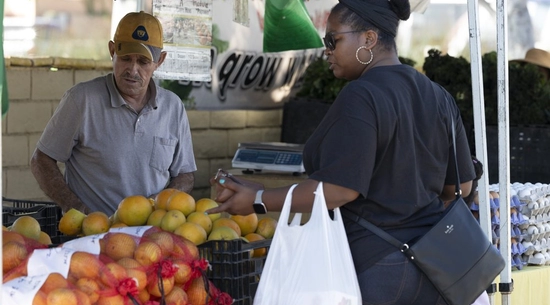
(36, 86)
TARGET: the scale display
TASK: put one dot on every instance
(269, 156)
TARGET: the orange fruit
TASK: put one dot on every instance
(161, 199)
(139, 275)
(116, 299)
(128, 262)
(156, 217)
(201, 219)
(247, 223)
(143, 296)
(95, 223)
(53, 281)
(71, 222)
(65, 296)
(171, 220)
(204, 204)
(183, 275)
(192, 232)
(82, 297)
(84, 264)
(251, 237)
(118, 245)
(164, 240)
(13, 254)
(27, 226)
(177, 296)
(44, 238)
(135, 270)
(223, 233)
(185, 249)
(40, 298)
(266, 227)
(8, 236)
(134, 210)
(119, 225)
(154, 289)
(112, 274)
(148, 253)
(90, 287)
(181, 201)
(196, 292)
(227, 222)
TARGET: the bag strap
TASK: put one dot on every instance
(404, 247)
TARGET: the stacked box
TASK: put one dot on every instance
(233, 269)
(47, 213)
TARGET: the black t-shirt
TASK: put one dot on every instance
(388, 137)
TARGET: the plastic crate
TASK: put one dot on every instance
(528, 148)
(47, 213)
(233, 270)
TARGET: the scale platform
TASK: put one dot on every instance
(273, 156)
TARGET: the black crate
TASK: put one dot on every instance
(47, 213)
(529, 146)
(233, 270)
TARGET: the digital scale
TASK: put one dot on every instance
(275, 156)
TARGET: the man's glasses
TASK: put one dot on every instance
(329, 41)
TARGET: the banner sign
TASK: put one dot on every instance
(242, 75)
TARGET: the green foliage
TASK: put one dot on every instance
(407, 61)
(321, 84)
(220, 45)
(182, 91)
(528, 94)
(453, 73)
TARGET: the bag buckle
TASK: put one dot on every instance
(405, 249)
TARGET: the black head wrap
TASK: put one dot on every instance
(379, 14)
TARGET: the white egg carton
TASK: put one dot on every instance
(529, 191)
(536, 208)
(539, 258)
(529, 248)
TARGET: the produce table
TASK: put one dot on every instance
(530, 286)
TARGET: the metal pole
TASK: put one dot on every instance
(479, 125)
(506, 283)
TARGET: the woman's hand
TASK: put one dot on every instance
(235, 195)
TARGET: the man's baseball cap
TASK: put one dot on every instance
(139, 33)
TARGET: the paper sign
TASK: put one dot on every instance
(46, 261)
(88, 244)
(22, 289)
(135, 231)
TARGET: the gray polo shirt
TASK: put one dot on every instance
(110, 151)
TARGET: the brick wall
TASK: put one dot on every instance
(36, 86)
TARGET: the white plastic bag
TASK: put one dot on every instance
(309, 264)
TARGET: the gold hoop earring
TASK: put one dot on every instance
(364, 62)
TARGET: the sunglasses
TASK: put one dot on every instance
(329, 41)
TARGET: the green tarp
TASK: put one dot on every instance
(287, 26)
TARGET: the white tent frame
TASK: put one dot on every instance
(505, 286)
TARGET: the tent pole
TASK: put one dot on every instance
(479, 125)
(506, 283)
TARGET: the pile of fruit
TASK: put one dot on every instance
(142, 265)
(173, 211)
(145, 253)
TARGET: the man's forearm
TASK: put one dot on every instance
(183, 182)
(51, 181)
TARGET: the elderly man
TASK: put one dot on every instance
(119, 134)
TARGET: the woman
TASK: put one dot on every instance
(383, 151)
